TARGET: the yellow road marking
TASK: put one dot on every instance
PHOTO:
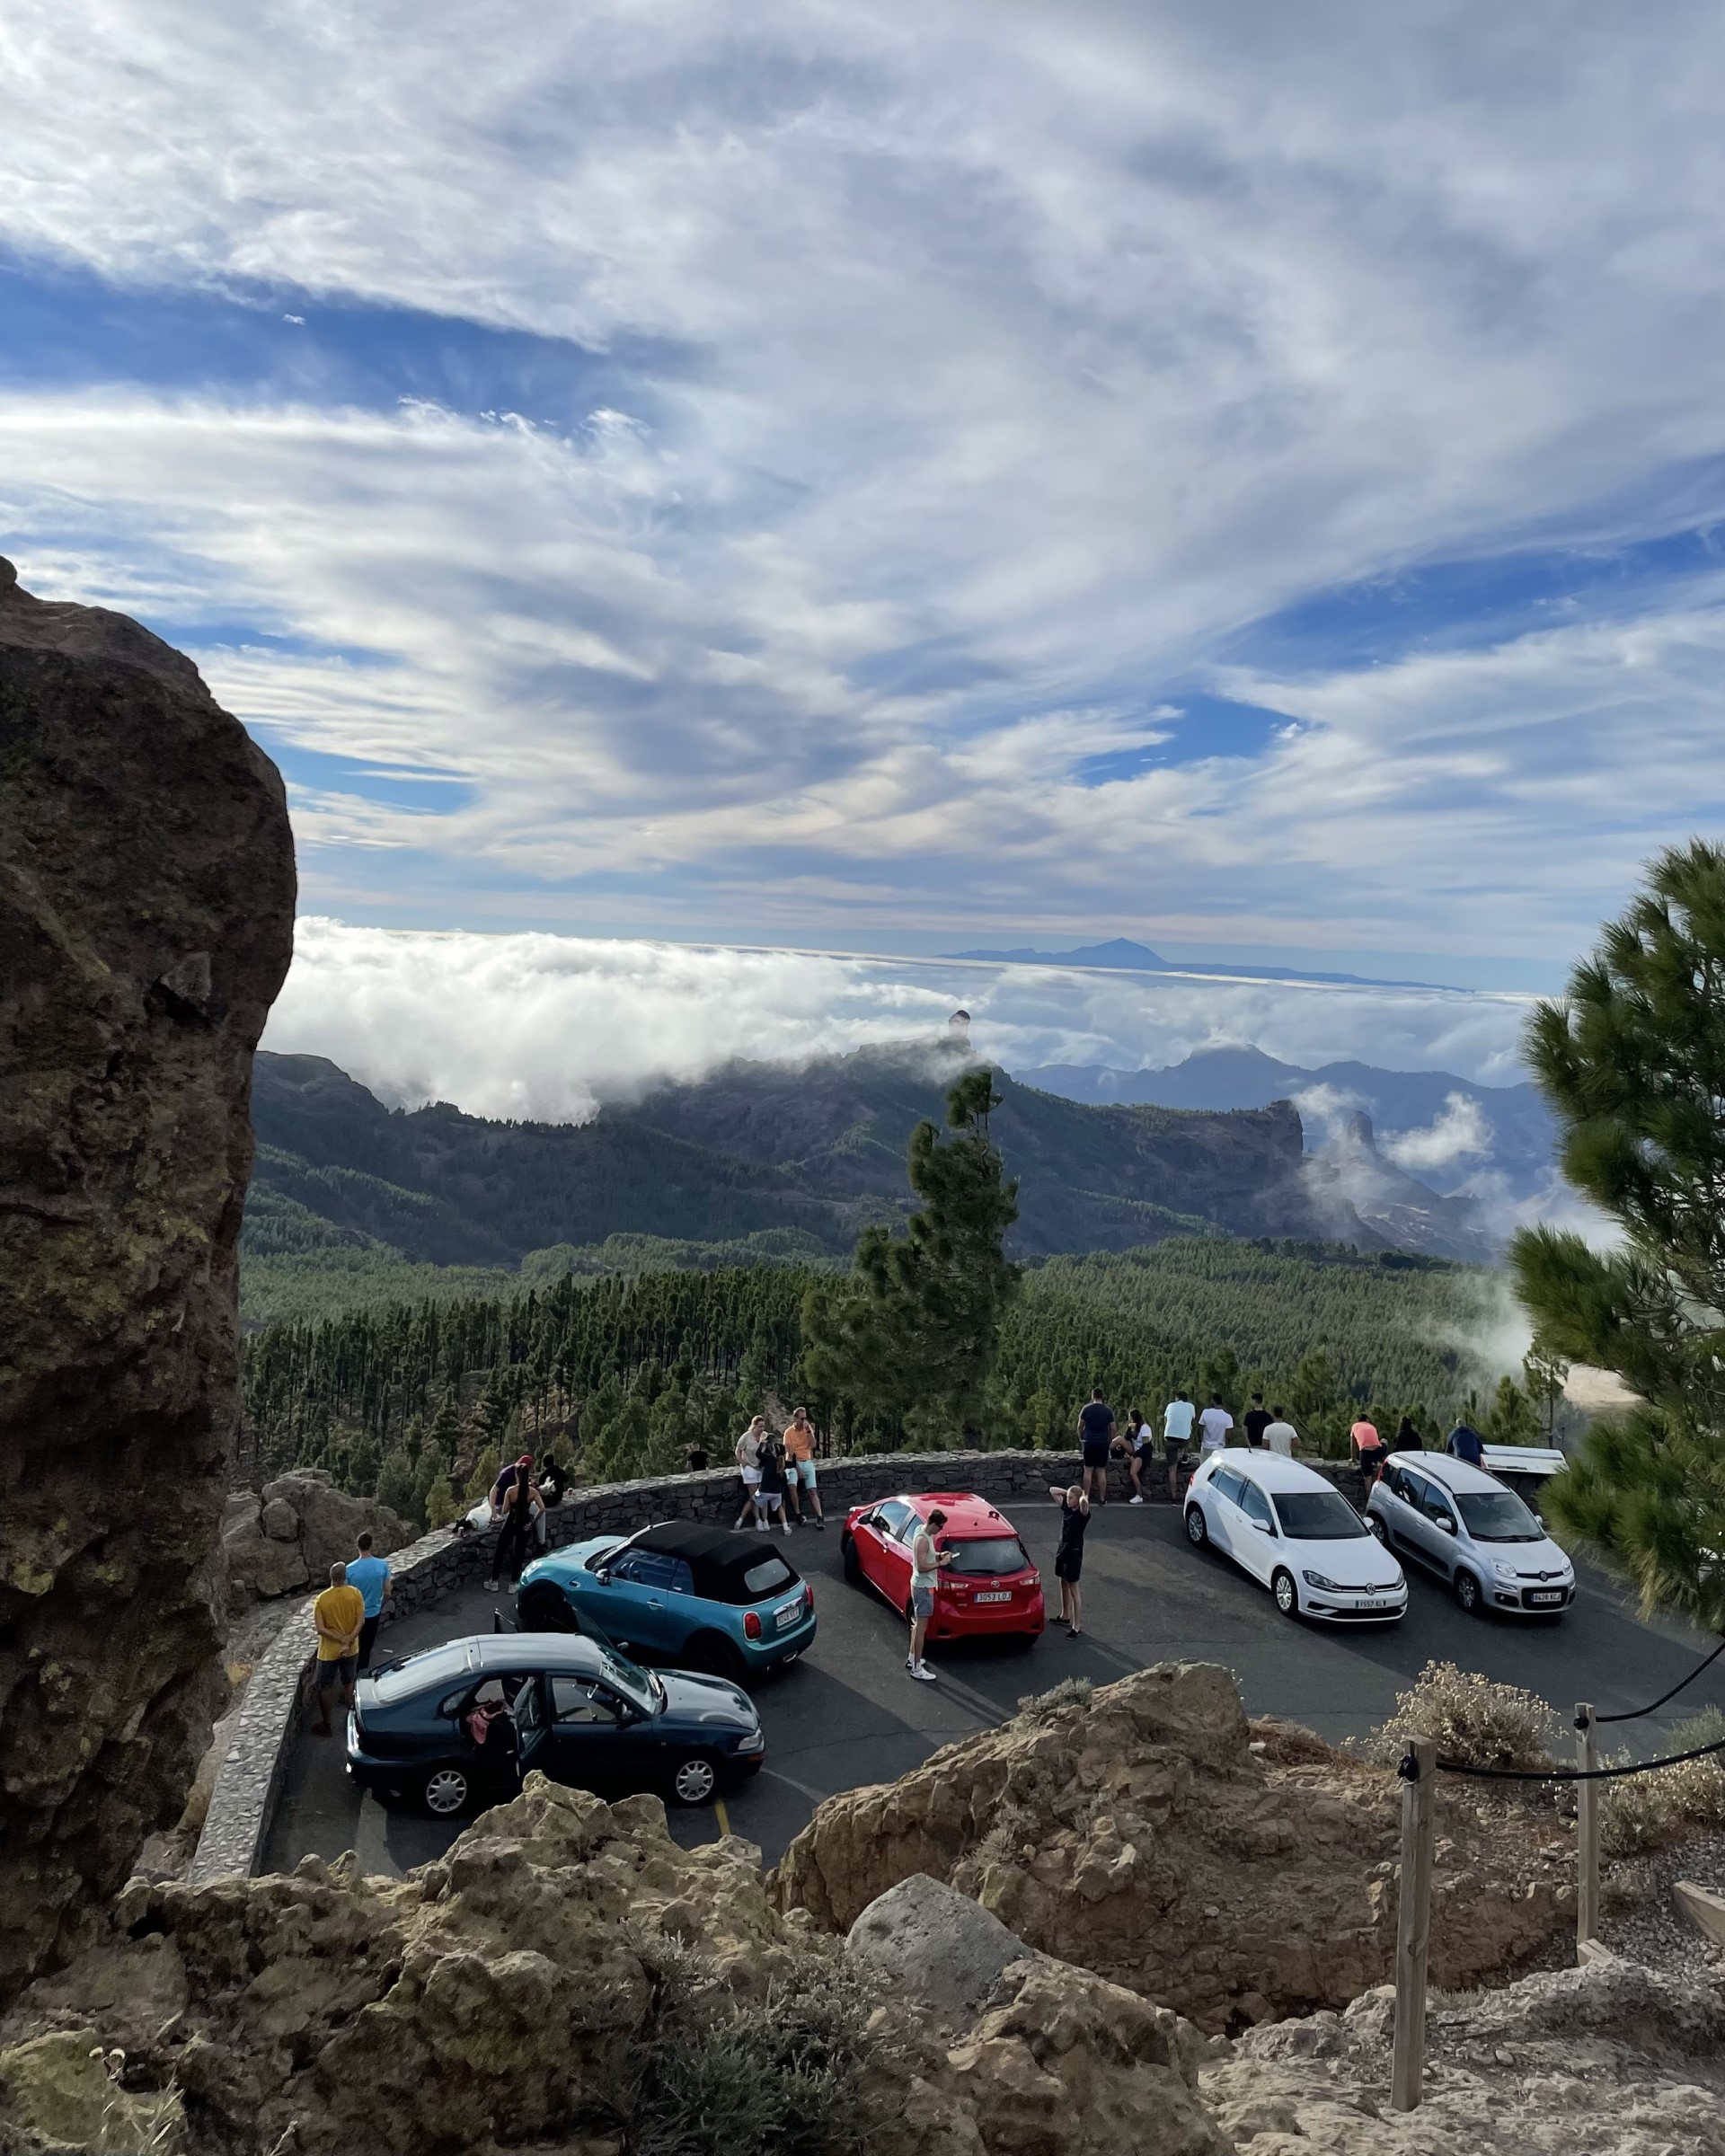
(723, 1816)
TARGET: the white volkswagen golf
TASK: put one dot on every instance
(1288, 1527)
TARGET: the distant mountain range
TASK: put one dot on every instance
(1501, 1129)
(1121, 955)
(817, 1147)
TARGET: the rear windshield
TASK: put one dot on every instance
(988, 1555)
(1498, 1515)
(1318, 1515)
(768, 1577)
(420, 1672)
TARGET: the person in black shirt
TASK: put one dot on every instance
(1407, 1439)
(1069, 1558)
(1095, 1438)
(1256, 1420)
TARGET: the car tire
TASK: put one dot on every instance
(1468, 1593)
(1286, 1594)
(695, 1779)
(715, 1656)
(545, 1608)
(1197, 1528)
(853, 1562)
(1375, 1525)
(446, 1792)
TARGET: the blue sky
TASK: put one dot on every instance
(892, 480)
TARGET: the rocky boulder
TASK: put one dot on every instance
(1613, 2059)
(147, 897)
(1138, 1831)
(569, 1977)
(289, 1536)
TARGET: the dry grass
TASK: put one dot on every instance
(1645, 1810)
(1471, 1719)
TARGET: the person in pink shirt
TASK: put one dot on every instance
(1368, 1450)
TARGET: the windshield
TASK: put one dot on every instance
(1318, 1515)
(1498, 1515)
(635, 1685)
(986, 1555)
(768, 1577)
(421, 1671)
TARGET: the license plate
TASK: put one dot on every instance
(993, 1594)
(1374, 1605)
(1545, 1596)
(788, 1615)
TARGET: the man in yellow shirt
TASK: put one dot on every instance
(337, 1615)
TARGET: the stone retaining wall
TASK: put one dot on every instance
(279, 1692)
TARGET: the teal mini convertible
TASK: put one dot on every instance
(704, 1598)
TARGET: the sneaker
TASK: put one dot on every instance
(820, 1523)
(910, 1661)
(1135, 1500)
(491, 1587)
(923, 1674)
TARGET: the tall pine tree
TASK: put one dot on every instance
(910, 1336)
(1632, 1060)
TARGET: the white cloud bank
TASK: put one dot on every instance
(1460, 1132)
(546, 1026)
(988, 374)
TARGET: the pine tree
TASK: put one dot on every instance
(911, 1336)
(1632, 1061)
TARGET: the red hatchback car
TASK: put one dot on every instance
(990, 1590)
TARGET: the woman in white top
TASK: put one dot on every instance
(746, 1451)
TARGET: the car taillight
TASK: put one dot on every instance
(751, 1624)
(809, 1594)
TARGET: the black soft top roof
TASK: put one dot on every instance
(717, 1556)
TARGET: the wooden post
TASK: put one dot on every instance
(1414, 1921)
(1587, 1831)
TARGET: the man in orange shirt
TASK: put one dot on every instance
(799, 1465)
(337, 1616)
(1368, 1450)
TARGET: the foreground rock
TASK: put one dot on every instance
(1138, 1831)
(1613, 2060)
(567, 1977)
(147, 892)
(286, 1536)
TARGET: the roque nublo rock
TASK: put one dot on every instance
(146, 899)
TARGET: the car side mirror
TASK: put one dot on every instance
(1446, 1523)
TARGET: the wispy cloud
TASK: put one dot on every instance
(799, 474)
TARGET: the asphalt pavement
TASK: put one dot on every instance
(848, 1714)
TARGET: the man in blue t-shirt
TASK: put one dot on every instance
(370, 1575)
(1095, 1437)
(1466, 1444)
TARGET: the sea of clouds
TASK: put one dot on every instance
(551, 1027)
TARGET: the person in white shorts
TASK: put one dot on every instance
(746, 1450)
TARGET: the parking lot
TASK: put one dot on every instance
(847, 1713)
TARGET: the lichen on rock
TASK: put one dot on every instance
(147, 892)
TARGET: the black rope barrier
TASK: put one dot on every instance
(1635, 1713)
(1409, 1770)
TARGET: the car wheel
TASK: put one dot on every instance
(545, 1608)
(445, 1791)
(853, 1562)
(1287, 1594)
(1374, 1525)
(1467, 1592)
(694, 1779)
(1197, 1530)
(716, 1657)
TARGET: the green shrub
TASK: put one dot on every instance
(1042, 1705)
(796, 2073)
(1472, 1719)
(1644, 1810)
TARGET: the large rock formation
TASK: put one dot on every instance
(566, 1979)
(147, 892)
(289, 1536)
(1139, 1831)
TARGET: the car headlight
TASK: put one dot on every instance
(753, 1742)
(1329, 1586)
(1503, 1571)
